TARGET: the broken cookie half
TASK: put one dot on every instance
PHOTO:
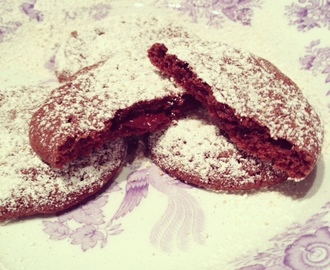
(28, 185)
(262, 111)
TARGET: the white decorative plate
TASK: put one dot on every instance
(165, 224)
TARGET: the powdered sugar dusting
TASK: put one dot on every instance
(28, 185)
(196, 147)
(103, 40)
(123, 77)
(250, 85)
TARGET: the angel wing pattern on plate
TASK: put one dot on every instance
(87, 225)
(183, 221)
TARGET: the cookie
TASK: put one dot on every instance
(101, 40)
(28, 185)
(262, 111)
(114, 99)
(195, 151)
(116, 94)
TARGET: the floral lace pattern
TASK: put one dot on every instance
(217, 12)
(308, 14)
(29, 9)
(96, 12)
(21, 12)
(303, 245)
(317, 59)
(88, 225)
(8, 25)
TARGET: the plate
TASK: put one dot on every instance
(285, 227)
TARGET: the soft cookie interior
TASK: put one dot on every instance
(28, 185)
(261, 110)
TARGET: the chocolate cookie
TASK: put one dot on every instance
(121, 95)
(28, 186)
(115, 99)
(195, 151)
(261, 110)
